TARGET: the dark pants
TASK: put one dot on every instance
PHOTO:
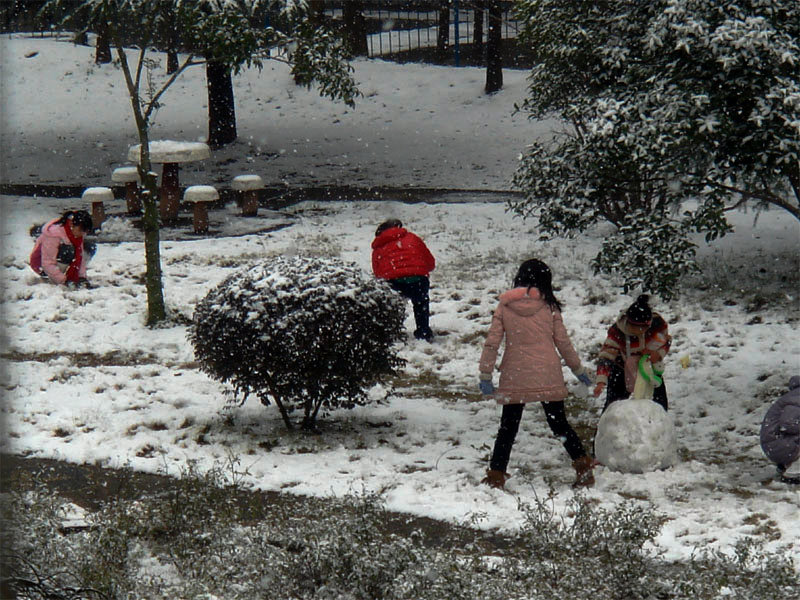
(416, 289)
(616, 389)
(509, 425)
(66, 252)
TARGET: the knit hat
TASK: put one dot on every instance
(640, 313)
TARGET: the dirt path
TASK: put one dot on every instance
(280, 197)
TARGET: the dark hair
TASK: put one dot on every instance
(387, 225)
(80, 218)
(640, 313)
(534, 273)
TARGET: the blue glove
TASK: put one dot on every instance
(585, 380)
(487, 388)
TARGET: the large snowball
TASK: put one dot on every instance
(636, 436)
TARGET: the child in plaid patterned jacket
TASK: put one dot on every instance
(638, 332)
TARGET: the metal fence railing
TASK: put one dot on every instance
(400, 26)
(391, 26)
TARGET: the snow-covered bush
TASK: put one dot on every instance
(302, 332)
(201, 539)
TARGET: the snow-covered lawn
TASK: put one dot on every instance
(85, 381)
(88, 383)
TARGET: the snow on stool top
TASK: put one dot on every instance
(125, 174)
(247, 183)
(200, 193)
(98, 194)
(170, 151)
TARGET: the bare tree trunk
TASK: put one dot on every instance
(156, 307)
(103, 45)
(172, 43)
(221, 108)
(172, 61)
(477, 32)
(443, 36)
(282, 409)
(316, 9)
(355, 30)
(494, 48)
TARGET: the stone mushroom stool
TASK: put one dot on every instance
(97, 196)
(130, 177)
(171, 154)
(249, 186)
(200, 195)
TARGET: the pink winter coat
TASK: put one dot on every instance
(45, 250)
(535, 336)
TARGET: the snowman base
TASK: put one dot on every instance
(636, 436)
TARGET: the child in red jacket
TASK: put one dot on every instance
(404, 260)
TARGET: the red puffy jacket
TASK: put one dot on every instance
(399, 253)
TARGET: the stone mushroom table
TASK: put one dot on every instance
(171, 154)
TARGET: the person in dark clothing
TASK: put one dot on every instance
(404, 260)
(780, 433)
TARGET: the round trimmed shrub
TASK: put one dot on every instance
(302, 332)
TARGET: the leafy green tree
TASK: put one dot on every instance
(227, 32)
(675, 112)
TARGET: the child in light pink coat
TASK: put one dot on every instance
(529, 319)
(60, 253)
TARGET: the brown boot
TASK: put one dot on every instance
(583, 471)
(495, 479)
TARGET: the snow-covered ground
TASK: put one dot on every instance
(67, 120)
(85, 381)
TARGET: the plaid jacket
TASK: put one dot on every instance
(623, 349)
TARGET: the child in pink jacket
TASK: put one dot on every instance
(60, 253)
(529, 318)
